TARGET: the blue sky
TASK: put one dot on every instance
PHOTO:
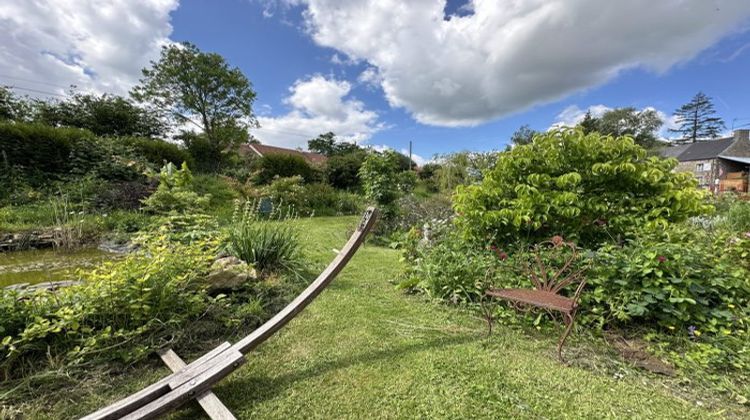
(456, 76)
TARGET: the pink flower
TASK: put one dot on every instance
(661, 258)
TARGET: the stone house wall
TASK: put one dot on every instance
(704, 170)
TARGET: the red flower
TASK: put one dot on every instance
(661, 258)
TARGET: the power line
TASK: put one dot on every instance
(5, 76)
(37, 91)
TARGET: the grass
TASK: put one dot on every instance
(364, 349)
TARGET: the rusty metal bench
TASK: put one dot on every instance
(548, 284)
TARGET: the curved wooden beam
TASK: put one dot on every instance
(197, 377)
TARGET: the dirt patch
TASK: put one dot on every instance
(636, 351)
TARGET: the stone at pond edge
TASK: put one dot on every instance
(229, 273)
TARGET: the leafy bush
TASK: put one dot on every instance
(415, 213)
(308, 199)
(379, 174)
(273, 166)
(590, 188)
(675, 278)
(269, 244)
(175, 192)
(157, 152)
(342, 171)
(407, 180)
(122, 311)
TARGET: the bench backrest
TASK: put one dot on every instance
(553, 279)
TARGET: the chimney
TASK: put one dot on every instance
(743, 134)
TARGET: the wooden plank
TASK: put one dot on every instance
(210, 403)
(221, 366)
(154, 391)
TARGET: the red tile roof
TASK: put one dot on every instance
(263, 149)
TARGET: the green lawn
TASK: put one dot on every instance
(364, 350)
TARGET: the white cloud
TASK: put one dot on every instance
(319, 105)
(100, 46)
(369, 77)
(508, 56)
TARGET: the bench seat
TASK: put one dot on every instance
(539, 298)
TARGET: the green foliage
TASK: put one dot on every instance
(157, 152)
(278, 165)
(342, 170)
(14, 108)
(676, 278)
(309, 199)
(201, 88)
(738, 216)
(590, 188)
(697, 119)
(326, 144)
(407, 180)
(207, 156)
(105, 115)
(464, 168)
(38, 152)
(642, 126)
(524, 135)
(379, 174)
(269, 243)
(124, 310)
(175, 192)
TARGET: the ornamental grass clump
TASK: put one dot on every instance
(269, 242)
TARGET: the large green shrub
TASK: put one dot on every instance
(308, 199)
(380, 181)
(342, 171)
(590, 188)
(278, 165)
(676, 278)
(33, 156)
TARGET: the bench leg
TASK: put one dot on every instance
(569, 318)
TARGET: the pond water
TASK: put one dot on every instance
(37, 266)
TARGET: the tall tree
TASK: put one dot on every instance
(200, 88)
(326, 144)
(589, 123)
(697, 119)
(642, 125)
(105, 115)
(524, 135)
(12, 107)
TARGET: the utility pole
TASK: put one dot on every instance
(410, 155)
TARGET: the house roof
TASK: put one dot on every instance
(739, 159)
(702, 149)
(673, 151)
(264, 149)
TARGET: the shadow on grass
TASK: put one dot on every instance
(239, 393)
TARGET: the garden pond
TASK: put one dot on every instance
(46, 265)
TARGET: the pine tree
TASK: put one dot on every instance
(697, 119)
(589, 123)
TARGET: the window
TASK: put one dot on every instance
(703, 167)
